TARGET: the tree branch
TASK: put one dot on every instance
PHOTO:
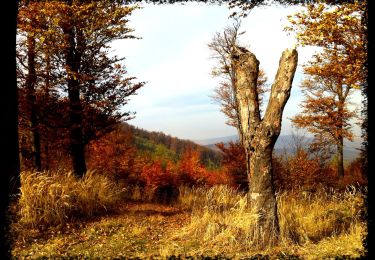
(280, 90)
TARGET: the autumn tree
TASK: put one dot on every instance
(29, 31)
(92, 81)
(260, 134)
(334, 73)
(243, 8)
(223, 48)
(38, 75)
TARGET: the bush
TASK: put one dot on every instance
(161, 183)
(115, 156)
(234, 162)
(355, 173)
(166, 194)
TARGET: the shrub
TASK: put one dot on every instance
(161, 183)
(115, 156)
(234, 162)
(190, 170)
(355, 173)
(166, 194)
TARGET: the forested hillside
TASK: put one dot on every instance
(161, 144)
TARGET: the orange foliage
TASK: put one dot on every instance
(221, 177)
(234, 163)
(354, 173)
(155, 174)
(334, 72)
(341, 31)
(190, 170)
(302, 171)
(115, 155)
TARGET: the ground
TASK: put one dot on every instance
(204, 224)
(136, 229)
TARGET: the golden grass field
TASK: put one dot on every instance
(60, 216)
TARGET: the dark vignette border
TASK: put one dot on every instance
(8, 103)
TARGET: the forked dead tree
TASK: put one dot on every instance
(260, 134)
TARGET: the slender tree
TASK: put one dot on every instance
(27, 22)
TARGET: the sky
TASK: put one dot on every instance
(174, 59)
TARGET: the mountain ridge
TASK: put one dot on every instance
(285, 143)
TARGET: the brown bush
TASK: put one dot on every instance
(234, 163)
(302, 171)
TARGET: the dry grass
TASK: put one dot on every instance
(206, 222)
(218, 197)
(55, 198)
(323, 224)
(306, 217)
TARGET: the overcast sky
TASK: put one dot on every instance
(174, 60)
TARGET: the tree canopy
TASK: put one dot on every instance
(334, 72)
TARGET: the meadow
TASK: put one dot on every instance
(60, 216)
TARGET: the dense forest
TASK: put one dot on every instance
(90, 184)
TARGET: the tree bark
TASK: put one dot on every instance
(340, 157)
(32, 106)
(73, 61)
(260, 135)
(340, 139)
(46, 100)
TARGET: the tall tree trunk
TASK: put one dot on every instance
(340, 139)
(260, 135)
(76, 135)
(46, 155)
(73, 61)
(340, 157)
(10, 163)
(46, 99)
(32, 106)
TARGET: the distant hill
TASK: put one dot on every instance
(285, 144)
(161, 145)
(213, 141)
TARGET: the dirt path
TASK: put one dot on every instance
(135, 230)
(168, 219)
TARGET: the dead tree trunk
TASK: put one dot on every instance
(260, 135)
